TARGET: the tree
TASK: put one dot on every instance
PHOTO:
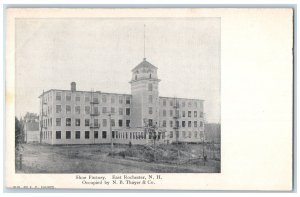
(18, 132)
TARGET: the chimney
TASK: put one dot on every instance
(73, 86)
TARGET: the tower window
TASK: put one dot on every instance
(150, 110)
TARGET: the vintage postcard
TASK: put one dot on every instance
(132, 99)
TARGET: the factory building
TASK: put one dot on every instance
(95, 117)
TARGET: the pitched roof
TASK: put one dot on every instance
(144, 64)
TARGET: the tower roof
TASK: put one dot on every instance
(144, 64)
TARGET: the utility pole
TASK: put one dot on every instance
(203, 142)
(42, 115)
(150, 129)
(111, 134)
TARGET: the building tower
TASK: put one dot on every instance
(145, 97)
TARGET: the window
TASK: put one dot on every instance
(183, 134)
(150, 87)
(195, 134)
(150, 122)
(95, 100)
(183, 104)
(77, 109)
(121, 100)
(87, 135)
(150, 110)
(58, 96)
(103, 98)
(195, 103)
(189, 114)
(164, 102)
(127, 100)
(87, 109)
(164, 123)
(58, 135)
(201, 124)
(177, 103)
(189, 123)
(171, 134)
(87, 98)
(113, 134)
(177, 113)
(150, 99)
(201, 114)
(177, 134)
(58, 122)
(96, 123)
(104, 123)
(96, 134)
(121, 111)
(183, 123)
(190, 134)
(120, 123)
(177, 123)
(112, 110)
(77, 135)
(127, 111)
(95, 111)
(87, 122)
(189, 104)
(164, 113)
(58, 108)
(112, 122)
(104, 134)
(171, 103)
(68, 134)
(68, 122)
(195, 123)
(183, 113)
(77, 98)
(171, 123)
(104, 110)
(127, 123)
(68, 97)
(77, 122)
(68, 109)
(171, 113)
(112, 99)
(195, 114)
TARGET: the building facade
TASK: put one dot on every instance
(94, 117)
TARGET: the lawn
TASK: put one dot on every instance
(38, 158)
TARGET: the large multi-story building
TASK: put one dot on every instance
(88, 117)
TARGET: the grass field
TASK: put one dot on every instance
(38, 158)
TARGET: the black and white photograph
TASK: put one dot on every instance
(140, 99)
(118, 95)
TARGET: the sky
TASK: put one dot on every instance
(99, 53)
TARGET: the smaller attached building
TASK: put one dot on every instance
(32, 132)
